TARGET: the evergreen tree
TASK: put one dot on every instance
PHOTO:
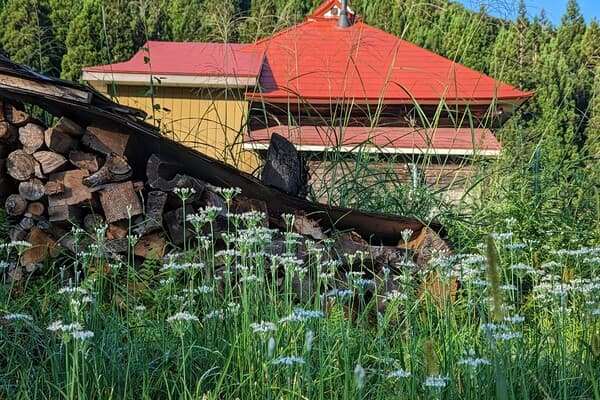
(102, 33)
(220, 21)
(261, 21)
(26, 35)
(186, 17)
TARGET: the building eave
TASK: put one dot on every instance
(382, 150)
(169, 80)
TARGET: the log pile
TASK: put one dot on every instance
(53, 178)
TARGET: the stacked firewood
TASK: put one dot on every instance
(67, 175)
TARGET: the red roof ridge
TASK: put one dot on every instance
(277, 34)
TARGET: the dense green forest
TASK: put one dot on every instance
(552, 144)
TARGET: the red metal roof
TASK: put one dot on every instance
(198, 59)
(317, 62)
(448, 140)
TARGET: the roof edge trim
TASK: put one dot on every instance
(170, 79)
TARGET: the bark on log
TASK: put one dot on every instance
(83, 160)
(285, 168)
(158, 171)
(115, 169)
(120, 201)
(15, 205)
(8, 133)
(27, 222)
(31, 137)
(57, 141)
(20, 165)
(49, 161)
(32, 189)
(155, 205)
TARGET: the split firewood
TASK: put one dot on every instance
(42, 246)
(8, 133)
(120, 201)
(105, 139)
(58, 141)
(17, 234)
(32, 189)
(36, 209)
(27, 222)
(92, 221)
(61, 205)
(117, 230)
(115, 169)
(49, 161)
(2, 117)
(53, 188)
(308, 227)
(175, 227)
(155, 205)
(83, 160)
(15, 116)
(38, 173)
(43, 224)
(117, 246)
(20, 165)
(6, 184)
(64, 213)
(75, 192)
(151, 247)
(156, 169)
(15, 205)
(67, 126)
(32, 137)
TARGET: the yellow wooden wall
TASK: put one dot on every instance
(211, 121)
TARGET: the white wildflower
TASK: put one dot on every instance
(436, 381)
(289, 360)
(399, 373)
(82, 335)
(182, 316)
(18, 316)
(263, 327)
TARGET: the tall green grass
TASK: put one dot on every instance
(231, 321)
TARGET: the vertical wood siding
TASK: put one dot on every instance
(208, 120)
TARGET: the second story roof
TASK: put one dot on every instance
(185, 64)
(319, 62)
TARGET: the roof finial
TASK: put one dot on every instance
(343, 21)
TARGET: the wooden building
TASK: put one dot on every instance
(329, 84)
(195, 92)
